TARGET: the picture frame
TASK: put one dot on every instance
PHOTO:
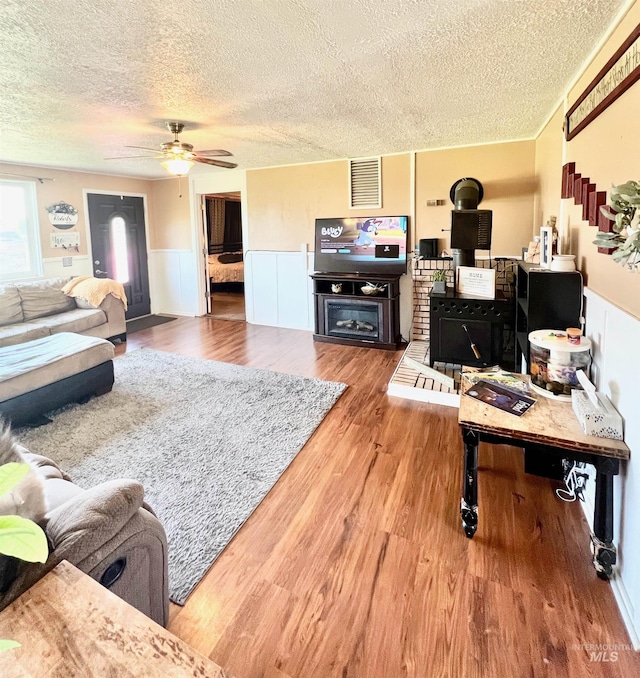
(546, 246)
(476, 282)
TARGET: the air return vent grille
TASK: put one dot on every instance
(364, 183)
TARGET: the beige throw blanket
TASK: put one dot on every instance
(94, 290)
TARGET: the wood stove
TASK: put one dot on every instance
(466, 330)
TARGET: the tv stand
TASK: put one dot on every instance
(345, 314)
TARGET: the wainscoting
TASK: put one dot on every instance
(173, 282)
(614, 335)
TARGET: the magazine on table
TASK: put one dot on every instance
(497, 395)
(496, 375)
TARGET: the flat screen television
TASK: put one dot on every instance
(361, 245)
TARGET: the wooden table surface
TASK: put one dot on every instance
(71, 626)
(548, 422)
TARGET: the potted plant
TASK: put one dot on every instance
(440, 281)
(19, 537)
(624, 241)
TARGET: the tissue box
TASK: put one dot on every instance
(602, 421)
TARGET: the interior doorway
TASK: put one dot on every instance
(119, 246)
(224, 265)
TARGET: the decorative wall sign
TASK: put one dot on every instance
(67, 241)
(615, 78)
(478, 282)
(62, 215)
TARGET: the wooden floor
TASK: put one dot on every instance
(227, 305)
(355, 564)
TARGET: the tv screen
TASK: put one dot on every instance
(361, 245)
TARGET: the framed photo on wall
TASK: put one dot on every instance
(546, 246)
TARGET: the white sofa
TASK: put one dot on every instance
(32, 310)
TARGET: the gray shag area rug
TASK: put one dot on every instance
(207, 440)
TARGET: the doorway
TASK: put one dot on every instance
(224, 265)
(119, 246)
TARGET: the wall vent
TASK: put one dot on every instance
(364, 183)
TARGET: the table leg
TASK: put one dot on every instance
(469, 502)
(604, 552)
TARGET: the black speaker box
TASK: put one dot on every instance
(428, 248)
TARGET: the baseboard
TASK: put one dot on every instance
(617, 586)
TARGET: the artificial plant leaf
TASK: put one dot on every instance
(22, 538)
(8, 645)
(11, 474)
(605, 210)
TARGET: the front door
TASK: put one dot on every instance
(119, 246)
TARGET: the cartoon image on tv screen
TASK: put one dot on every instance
(365, 243)
(367, 231)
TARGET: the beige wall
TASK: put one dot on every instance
(68, 186)
(284, 202)
(507, 174)
(608, 152)
(171, 226)
(549, 172)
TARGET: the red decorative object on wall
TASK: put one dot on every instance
(585, 193)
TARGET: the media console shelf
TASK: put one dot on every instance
(344, 314)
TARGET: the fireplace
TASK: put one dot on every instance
(353, 318)
(346, 314)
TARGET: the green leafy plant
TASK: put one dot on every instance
(624, 241)
(62, 207)
(440, 274)
(19, 537)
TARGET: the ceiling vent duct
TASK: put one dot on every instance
(364, 183)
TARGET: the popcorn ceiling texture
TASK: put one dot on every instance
(282, 81)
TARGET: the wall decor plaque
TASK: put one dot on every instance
(62, 215)
(615, 78)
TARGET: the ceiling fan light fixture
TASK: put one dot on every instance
(177, 166)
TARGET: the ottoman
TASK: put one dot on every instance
(41, 375)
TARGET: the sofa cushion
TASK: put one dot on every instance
(44, 297)
(32, 365)
(76, 320)
(10, 305)
(82, 303)
(10, 335)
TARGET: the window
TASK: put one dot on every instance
(120, 251)
(20, 255)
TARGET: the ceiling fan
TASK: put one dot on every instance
(179, 156)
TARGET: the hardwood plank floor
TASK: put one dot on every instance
(355, 563)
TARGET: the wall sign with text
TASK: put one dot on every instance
(615, 78)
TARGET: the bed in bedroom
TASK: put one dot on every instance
(227, 267)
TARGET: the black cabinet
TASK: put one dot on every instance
(358, 310)
(544, 300)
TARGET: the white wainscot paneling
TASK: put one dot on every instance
(616, 372)
(54, 267)
(278, 291)
(173, 282)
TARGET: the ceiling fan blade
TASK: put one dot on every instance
(144, 148)
(217, 163)
(218, 151)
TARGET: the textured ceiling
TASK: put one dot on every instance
(281, 81)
